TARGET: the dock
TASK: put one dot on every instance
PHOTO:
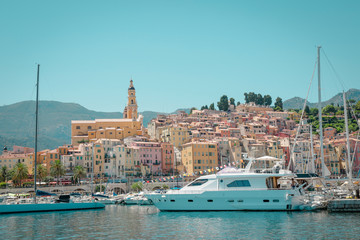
(344, 205)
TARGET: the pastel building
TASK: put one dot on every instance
(149, 157)
(18, 155)
(177, 135)
(199, 156)
(167, 158)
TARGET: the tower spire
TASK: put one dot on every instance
(130, 110)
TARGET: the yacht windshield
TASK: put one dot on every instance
(198, 182)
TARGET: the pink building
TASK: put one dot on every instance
(149, 156)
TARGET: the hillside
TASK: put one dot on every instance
(297, 102)
(17, 122)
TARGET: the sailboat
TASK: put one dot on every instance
(63, 203)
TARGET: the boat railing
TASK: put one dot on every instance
(216, 190)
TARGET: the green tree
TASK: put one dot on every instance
(204, 107)
(252, 97)
(267, 100)
(4, 174)
(246, 96)
(278, 104)
(307, 110)
(57, 170)
(238, 103)
(357, 106)
(329, 109)
(259, 99)
(79, 172)
(99, 188)
(232, 101)
(212, 106)
(20, 173)
(314, 111)
(41, 172)
(224, 103)
(277, 109)
(352, 101)
(137, 187)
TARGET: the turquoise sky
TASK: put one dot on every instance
(179, 53)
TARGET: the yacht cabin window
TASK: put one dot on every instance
(239, 183)
(198, 182)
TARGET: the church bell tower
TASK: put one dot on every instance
(130, 111)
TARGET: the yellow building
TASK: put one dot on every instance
(19, 154)
(274, 149)
(10, 160)
(199, 156)
(294, 116)
(176, 135)
(90, 130)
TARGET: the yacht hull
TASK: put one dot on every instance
(246, 200)
(48, 207)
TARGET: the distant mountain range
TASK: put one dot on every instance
(298, 103)
(17, 122)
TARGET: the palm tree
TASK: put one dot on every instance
(41, 172)
(79, 172)
(57, 170)
(20, 172)
(3, 174)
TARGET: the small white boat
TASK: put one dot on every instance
(136, 199)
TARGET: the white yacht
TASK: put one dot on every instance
(235, 189)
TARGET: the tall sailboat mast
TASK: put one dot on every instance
(312, 151)
(349, 167)
(36, 128)
(320, 119)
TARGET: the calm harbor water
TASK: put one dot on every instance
(146, 222)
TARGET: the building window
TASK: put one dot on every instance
(77, 127)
